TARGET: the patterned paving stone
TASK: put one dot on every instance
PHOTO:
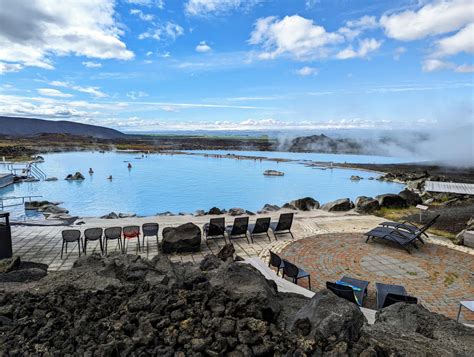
(440, 277)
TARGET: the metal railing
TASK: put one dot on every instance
(21, 199)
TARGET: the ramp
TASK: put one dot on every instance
(450, 187)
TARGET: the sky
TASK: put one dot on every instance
(152, 65)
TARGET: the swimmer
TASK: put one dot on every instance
(91, 171)
(110, 178)
(129, 165)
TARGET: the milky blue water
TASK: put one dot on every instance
(185, 183)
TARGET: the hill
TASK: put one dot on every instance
(23, 127)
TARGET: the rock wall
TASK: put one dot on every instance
(124, 305)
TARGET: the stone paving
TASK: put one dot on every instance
(327, 245)
(440, 277)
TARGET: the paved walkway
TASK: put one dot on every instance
(440, 277)
(328, 245)
(43, 244)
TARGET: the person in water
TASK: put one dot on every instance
(91, 171)
(129, 165)
(110, 177)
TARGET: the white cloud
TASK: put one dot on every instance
(465, 68)
(353, 28)
(9, 67)
(95, 91)
(90, 64)
(205, 7)
(366, 46)
(307, 71)
(365, 22)
(294, 35)
(203, 47)
(169, 30)
(398, 52)
(50, 92)
(141, 15)
(34, 31)
(149, 53)
(463, 41)
(135, 95)
(158, 3)
(434, 18)
(433, 65)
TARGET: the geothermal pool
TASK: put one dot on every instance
(185, 183)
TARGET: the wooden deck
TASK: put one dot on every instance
(450, 187)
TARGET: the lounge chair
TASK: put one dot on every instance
(214, 229)
(71, 236)
(295, 273)
(276, 261)
(130, 232)
(113, 233)
(93, 234)
(261, 226)
(350, 289)
(238, 229)
(410, 227)
(402, 238)
(283, 225)
(388, 294)
(150, 230)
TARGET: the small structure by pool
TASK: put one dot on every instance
(6, 179)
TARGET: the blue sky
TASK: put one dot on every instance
(232, 64)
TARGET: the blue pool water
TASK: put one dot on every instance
(185, 183)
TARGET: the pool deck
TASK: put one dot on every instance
(325, 244)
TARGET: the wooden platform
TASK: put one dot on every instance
(450, 187)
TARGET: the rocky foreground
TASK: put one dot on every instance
(125, 305)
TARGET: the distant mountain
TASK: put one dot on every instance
(324, 144)
(20, 127)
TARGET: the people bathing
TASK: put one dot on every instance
(91, 171)
(110, 177)
(129, 165)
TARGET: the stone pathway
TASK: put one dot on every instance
(327, 245)
(440, 277)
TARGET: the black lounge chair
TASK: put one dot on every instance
(93, 234)
(113, 233)
(131, 232)
(71, 236)
(239, 229)
(150, 230)
(214, 229)
(388, 294)
(401, 238)
(283, 225)
(344, 289)
(410, 227)
(261, 226)
(275, 261)
(295, 273)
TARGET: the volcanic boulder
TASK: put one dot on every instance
(343, 204)
(391, 200)
(185, 238)
(410, 197)
(329, 318)
(305, 204)
(364, 204)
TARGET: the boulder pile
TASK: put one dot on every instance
(124, 305)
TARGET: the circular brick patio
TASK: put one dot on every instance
(440, 277)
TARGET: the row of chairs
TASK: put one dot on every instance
(241, 228)
(216, 228)
(118, 234)
(351, 289)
